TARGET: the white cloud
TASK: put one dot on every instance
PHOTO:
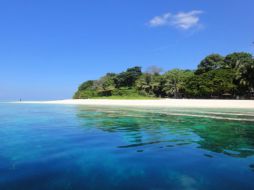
(182, 20)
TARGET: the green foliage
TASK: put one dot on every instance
(105, 85)
(215, 83)
(128, 78)
(175, 81)
(84, 94)
(150, 85)
(211, 62)
(86, 85)
(236, 60)
(243, 64)
(215, 77)
(125, 92)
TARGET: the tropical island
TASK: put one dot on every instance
(216, 77)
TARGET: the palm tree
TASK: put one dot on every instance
(144, 83)
(175, 82)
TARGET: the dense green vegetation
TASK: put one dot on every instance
(216, 76)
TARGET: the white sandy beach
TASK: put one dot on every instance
(188, 103)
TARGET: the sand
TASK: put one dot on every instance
(188, 103)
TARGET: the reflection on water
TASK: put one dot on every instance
(77, 147)
(144, 127)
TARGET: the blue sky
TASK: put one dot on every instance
(48, 47)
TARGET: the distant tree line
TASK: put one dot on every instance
(216, 76)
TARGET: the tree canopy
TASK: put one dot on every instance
(211, 62)
(216, 76)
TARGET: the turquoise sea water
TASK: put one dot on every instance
(76, 147)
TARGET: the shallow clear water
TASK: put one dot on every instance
(76, 147)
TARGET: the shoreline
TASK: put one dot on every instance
(165, 103)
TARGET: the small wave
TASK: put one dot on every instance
(208, 116)
(181, 143)
(226, 113)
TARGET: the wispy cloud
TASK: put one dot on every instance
(182, 20)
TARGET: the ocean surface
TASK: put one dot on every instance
(46, 147)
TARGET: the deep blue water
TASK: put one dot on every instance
(76, 147)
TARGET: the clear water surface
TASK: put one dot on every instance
(46, 147)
